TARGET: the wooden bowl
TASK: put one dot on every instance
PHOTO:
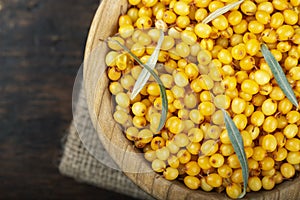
(120, 149)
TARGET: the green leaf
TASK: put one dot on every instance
(220, 11)
(279, 75)
(238, 146)
(145, 75)
(162, 88)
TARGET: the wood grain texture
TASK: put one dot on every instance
(41, 48)
(99, 102)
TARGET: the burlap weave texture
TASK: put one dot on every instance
(79, 164)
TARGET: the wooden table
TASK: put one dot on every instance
(41, 48)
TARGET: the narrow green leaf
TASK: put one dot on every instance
(221, 11)
(238, 146)
(162, 88)
(145, 75)
(279, 74)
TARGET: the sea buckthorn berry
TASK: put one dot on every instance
(295, 73)
(287, 170)
(209, 147)
(238, 105)
(134, 2)
(269, 107)
(238, 52)
(192, 182)
(262, 17)
(207, 108)
(184, 156)
(290, 17)
(181, 79)
(280, 4)
(295, 2)
(175, 125)
(216, 160)
(163, 153)
(204, 185)
(293, 117)
(235, 17)
(241, 28)
(237, 176)
(205, 96)
(143, 22)
(284, 46)
(220, 22)
(285, 106)
(190, 101)
(252, 47)
(169, 17)
(204, 57)
(181, 139)
(293, 157)
(225, 56)
(280, 154)
(145, 11)
(181, 8)
(158, 165)
(247, 63)
(192, 168)
(269, 36)
(218, 118)
(225, 171)
(270, 124)
(150, 155)
(233, 190)
(267, 163)
(173, 148)
(229, 83)
(269, 143)
(259, 153)
(266, 6)
(222, 101)
(268, 182)
(277, 19)
(170, 173)
(193, 148)
(277, 94)
(254, 183)
(203, 30)
(255, 27)
(139, 109)
(261, 77)
(280, 138)
(120, 116)
(248, 7)
(123, 100)
(200, 14)
(292, 144)
(250, 86)
(214, 180)
(290, 130)
(145, 136)
(182, 49)
(226, 149)
(213, 132)
(157, 143)
(240, 121)
(115, 88)
(257, 118)
(285, 32)
(233, 161)
(214, 5)
(183, 21)
(203, 162)
(196, 116)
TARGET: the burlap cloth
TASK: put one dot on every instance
(79, 164)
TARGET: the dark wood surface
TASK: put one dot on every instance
(41, 48)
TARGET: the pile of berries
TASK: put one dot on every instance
(207, 67)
